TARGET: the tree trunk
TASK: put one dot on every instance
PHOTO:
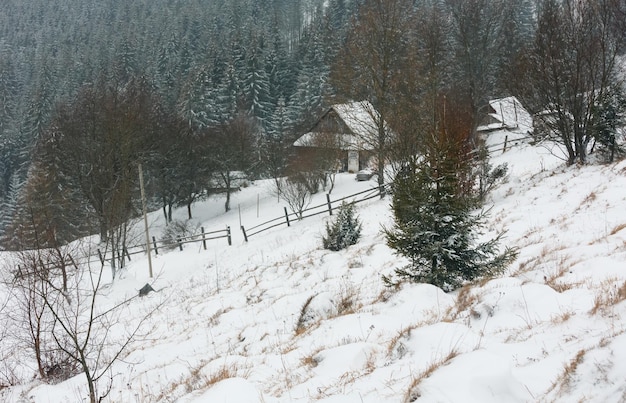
(227, 181)
(104, 233)
(90, 383)
(37, 348)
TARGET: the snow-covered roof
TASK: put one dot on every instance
(361, 119)
(508, 114)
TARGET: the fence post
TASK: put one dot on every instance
(156, 250)
(245, 237)
(180, 244)
(506, 139)
(230, 241)
(330, 207)
(101, 257)
(203, 238)
(287, 217)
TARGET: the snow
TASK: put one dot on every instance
(552, 328)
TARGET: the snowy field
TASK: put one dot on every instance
(552, 328)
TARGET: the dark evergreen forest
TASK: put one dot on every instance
(206, 60)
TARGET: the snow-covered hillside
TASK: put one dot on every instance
(231, 329)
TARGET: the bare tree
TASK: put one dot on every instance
(430, 64)
(327, 150)
(193, 170)
(83, 329)
(31, 320)
(95, 143)
(296, 192)
(233, 151)
(478, 43)
(68, 328)
(371, 66)
(569, 72)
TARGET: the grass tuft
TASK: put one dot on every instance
(413, 393)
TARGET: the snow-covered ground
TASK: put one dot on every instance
(552, 328)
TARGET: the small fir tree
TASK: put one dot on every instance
(345, 231)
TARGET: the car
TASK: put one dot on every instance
(365, 174)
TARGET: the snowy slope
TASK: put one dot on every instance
(550, 329)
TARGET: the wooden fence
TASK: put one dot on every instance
(203, 237)
(324, 208)
(60, 260)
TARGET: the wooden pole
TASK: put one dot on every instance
(145, 218)
(330, 207)
(287, 217)
(245, 237)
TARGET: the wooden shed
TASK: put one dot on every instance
(342, 133)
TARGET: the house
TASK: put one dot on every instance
(508, 114)
(343, 134)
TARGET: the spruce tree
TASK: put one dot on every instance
(345, 231)
(436, 224)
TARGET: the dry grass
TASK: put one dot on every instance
(531, 237)
(412, 393)
(525, 266)
(562, 317)
(555, 279)
(466, 300)
(617, 229)
(564, 380)
(197, 380)
(355, 263)
(589, 198)
(347, 301)
(222, 373)
(403, 333)
(214, 320)
(305, 317)
(609, 294)
(309, 361)
(347, 378)
(386, 293)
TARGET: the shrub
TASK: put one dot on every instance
(345, 231)
(176, 230)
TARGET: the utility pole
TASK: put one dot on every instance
(145, 217)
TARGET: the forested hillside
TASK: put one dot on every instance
(205, 60)
(205, 92)
(107, 107)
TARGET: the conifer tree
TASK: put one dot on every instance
(436, 226)
(345, 231)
